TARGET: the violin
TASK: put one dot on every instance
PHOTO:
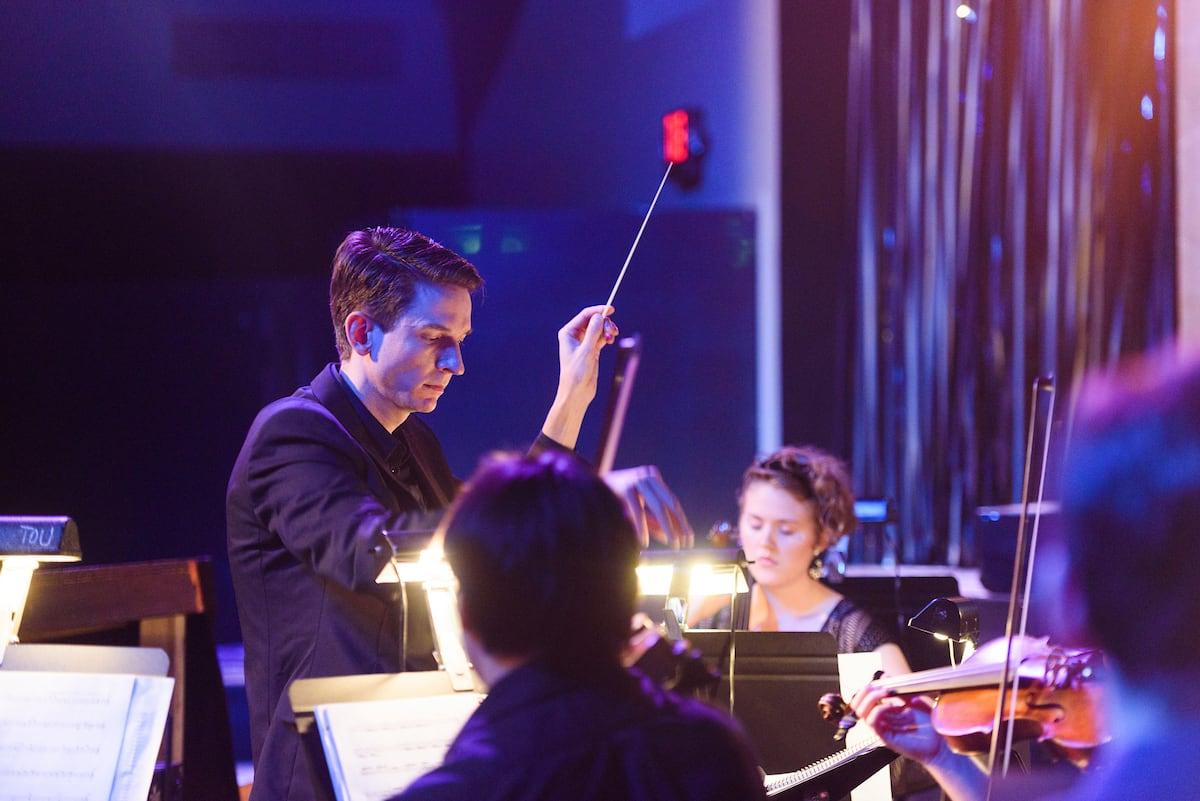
(1058, 701)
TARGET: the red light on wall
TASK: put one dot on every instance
(675, 136)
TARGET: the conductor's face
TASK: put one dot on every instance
(407, 367)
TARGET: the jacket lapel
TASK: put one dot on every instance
(332, 395)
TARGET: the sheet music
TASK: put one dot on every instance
(60, 734)
(375, 749)
(854, 672)
(143, 734)
(79, 736)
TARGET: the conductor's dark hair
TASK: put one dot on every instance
(1131, 502)
(377, 271)
(546, 561)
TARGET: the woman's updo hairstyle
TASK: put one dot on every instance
(810, 474)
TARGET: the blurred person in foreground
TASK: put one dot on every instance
(545, 558)
(1123, 579)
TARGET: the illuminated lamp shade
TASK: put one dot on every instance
(685, 143)
(26, 542)
(430, 569)
(702, 580)
(952, 620)
(684, 577)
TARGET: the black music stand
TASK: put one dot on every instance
(778, 677)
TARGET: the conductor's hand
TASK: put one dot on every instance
(579, 344)
(904, 724)
(654, 509)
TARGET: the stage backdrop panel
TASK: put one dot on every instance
(689, 292)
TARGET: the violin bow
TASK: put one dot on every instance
(1010, 678)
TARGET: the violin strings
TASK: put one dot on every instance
(638, 238)
(960, 672)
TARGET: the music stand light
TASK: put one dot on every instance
(683, 575)
(430, 569)
(954, 619)
(26, 542)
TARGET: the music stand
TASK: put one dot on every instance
(87, 659)
(778, 677)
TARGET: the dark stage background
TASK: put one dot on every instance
(141, 387)
(177, 176)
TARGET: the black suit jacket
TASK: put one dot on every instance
(308, 501)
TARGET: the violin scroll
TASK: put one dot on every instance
(834, 707)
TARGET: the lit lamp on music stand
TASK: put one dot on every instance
(954, 620)
(680, 576)
(430, 569)
(26, 542)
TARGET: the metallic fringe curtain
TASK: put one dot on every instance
(1011, 166)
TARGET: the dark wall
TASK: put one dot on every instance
(72, 213)
(816, 257)
(150, 303)
(357, 75)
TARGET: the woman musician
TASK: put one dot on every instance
(793, 506)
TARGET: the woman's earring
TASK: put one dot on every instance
(828, 565)
(816, 568)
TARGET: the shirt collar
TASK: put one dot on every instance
(392, 445)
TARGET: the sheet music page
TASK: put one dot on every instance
(60, 734)
(377, 748)
(144, 728)
(854, 672)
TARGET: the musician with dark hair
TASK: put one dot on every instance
(329, 479)
(1122, 578)
(545, 559)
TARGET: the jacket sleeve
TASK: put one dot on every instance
(544, 444)
(307, 485)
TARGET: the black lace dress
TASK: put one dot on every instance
(853, 628)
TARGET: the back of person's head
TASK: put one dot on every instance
(545, 559)
(1131, 501)
(376, 271)
(810, 474)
